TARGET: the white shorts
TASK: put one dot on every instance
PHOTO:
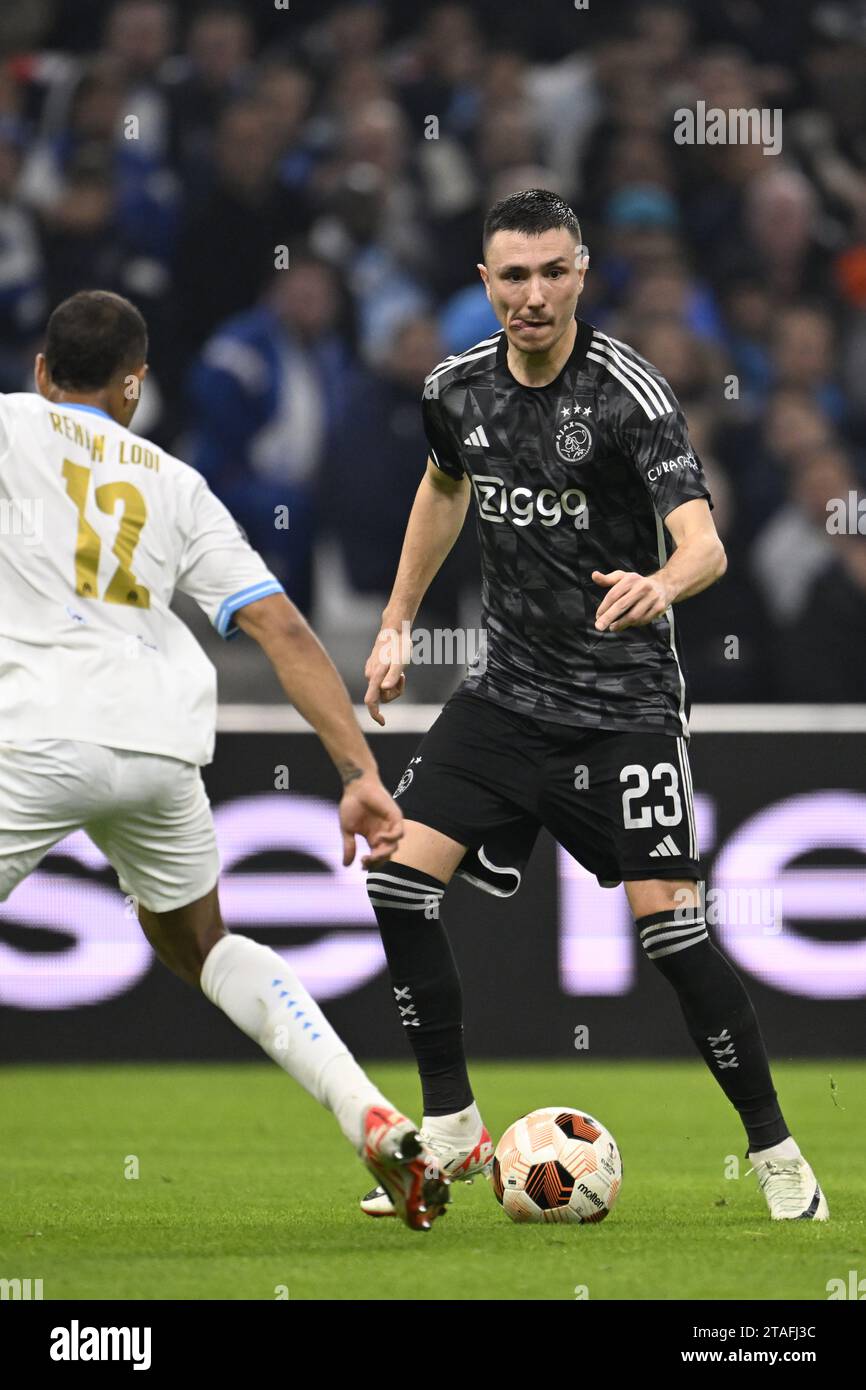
(148, 814)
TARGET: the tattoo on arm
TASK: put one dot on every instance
(349, 772)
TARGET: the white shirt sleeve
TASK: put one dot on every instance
(218, 567)
(4, 432)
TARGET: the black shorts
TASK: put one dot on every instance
(490, 778)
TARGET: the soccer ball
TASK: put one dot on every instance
(557, 1164)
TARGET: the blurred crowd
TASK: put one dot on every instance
(293, 196)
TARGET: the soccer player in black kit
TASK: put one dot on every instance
(593, 519)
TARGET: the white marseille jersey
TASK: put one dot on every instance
(98, 527)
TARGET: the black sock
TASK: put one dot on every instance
(424, 980)
(719, 1016)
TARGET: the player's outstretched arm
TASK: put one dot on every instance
(313, 684)
(633, 600)
(435, 522)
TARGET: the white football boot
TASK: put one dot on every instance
(459, 1164)
(413, 1182)
(791, 1188)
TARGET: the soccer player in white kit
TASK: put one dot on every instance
(108, 703)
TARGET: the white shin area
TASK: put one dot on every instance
(263, 996)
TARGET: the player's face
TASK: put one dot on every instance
(533, 283)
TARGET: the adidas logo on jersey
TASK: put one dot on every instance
(664, 849)
(478, 438)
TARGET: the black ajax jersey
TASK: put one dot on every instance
(568, 478)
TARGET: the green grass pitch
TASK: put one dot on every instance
(246, 1188)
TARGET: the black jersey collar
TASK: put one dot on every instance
(575, 360)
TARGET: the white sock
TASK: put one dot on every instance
(264, 997)
(786, 1150)
(462, 1129)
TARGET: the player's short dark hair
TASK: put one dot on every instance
(92, 338)
(533, 211)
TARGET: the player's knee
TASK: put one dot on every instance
(674, 896)
(184, 937)
(172, 956)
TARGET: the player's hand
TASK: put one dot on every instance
(384, 672)
(367, 809)
(632, 600)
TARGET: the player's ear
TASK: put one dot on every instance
(485, 278)
(133, 381)
(40, 374)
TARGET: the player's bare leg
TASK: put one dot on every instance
(662, 895)
(429, 851)
(263, 996)
(722, 1023)
(406, 894)
(183, 938)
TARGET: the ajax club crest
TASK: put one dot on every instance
(573, 440)
(408, 777)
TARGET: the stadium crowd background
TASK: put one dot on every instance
(368, 139)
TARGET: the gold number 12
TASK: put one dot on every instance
(123, 586)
